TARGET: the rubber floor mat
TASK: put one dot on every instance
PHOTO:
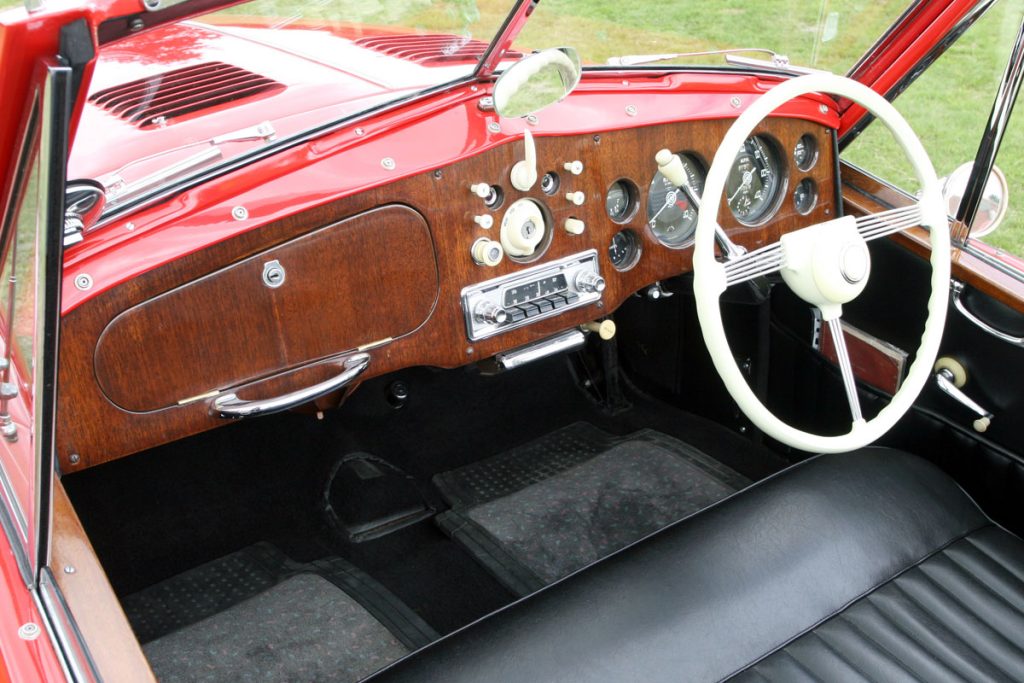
(218, 586)
(539, 512)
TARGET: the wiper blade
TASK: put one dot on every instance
(635, 60)
(118, 191)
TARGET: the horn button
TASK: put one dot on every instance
(827, 264)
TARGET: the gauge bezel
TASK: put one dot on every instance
(811, 143)
(545, 243)
(555, 179)
(632, 200)
(637, 250)
(815, 195)
(702, 169)
(781, 189)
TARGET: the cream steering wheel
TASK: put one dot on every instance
(826, 264)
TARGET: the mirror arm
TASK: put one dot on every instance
(985, 159)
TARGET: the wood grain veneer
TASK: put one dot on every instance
(228, 328)
(98, 614)
(97, 430)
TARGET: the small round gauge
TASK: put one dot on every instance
(624, 249)
(805, 196)
(670, 214)
(620, 202)
(754, 181)
(805, 153)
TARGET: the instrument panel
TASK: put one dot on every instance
(495, 268)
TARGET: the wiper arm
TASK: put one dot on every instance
(118, 191)
(634, 60)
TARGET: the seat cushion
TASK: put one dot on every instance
(868, 565)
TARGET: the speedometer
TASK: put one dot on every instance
(670, 215)
(755, 180)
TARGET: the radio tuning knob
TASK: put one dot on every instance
(481, 190)
(588, 282)
(490, 313)
(485, 221)
(574, 167)
(487, 252)
(576, 198)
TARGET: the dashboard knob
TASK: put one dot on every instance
(604, 329)
(574, 167)
(574, 226)
(576, 198)
(487, 252)
(481, 190)
(490, 313)
(589, 281)
(485, 221)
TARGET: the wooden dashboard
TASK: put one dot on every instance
(381, 271)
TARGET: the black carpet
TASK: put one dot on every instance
(537, 513)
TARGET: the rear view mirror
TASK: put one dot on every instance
(536, 82)
(994, 202)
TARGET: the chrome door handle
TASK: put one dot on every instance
(958, 289)
(944, 378)
(230, 406)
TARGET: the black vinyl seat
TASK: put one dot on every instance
(865, 566)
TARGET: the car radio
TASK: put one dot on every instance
(543, 291)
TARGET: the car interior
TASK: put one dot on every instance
(531, 466)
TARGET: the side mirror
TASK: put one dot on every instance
(994, 202)
(537, 81)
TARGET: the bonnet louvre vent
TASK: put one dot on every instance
(436, 48)
(157, 99)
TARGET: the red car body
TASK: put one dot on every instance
(420, 135)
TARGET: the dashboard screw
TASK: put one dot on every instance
(493, 127)
(823, 108)
(129, 226)
(68, 569)
(360, 132)
(75, 458)
(438, 174)
(28, 631)
(631, 110)
(388, 163)
(136, 25)
(239, 213)
(735, 102)
(597, 138)
(83, 282)
(532, 120)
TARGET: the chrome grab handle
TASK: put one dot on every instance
(958, 289)
(230, 406)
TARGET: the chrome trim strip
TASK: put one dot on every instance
(12, 502)
(567, 341)
(991, 139)
(18, 546)
(990, 260)
(64, 631)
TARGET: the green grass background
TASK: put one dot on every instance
(947, 106)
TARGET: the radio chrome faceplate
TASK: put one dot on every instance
(543, 291)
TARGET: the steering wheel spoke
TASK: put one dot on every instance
(754, 264)
(883, 223)
(835, 327)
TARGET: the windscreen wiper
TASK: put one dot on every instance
(733, 55)
(118, 191)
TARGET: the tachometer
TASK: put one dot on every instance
(669, 213)
(755, 180)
